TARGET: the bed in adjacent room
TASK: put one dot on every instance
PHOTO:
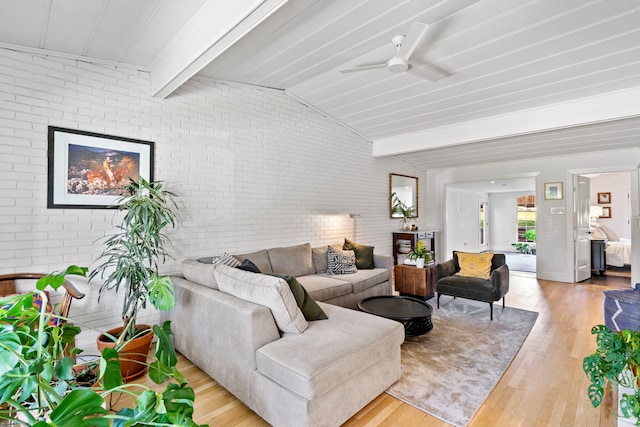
(618, 248)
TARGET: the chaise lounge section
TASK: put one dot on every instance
(319, 377)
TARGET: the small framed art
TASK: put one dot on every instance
(88, 170)
(553, 191)
(606, 212)
(604, 198)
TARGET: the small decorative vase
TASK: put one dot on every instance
(420, 263)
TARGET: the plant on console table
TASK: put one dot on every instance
(130, 261)
(615, 362)
(400, 208)
(420, 255)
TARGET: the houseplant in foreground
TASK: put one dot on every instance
(615, 362)
(37, 382)
(130, 261)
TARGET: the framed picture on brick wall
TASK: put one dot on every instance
(88, 170)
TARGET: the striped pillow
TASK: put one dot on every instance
(226, 259)
(341, 262)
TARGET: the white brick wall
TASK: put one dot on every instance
(254, 169)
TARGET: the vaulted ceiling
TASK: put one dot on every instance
(521, 78)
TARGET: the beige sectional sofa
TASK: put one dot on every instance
(319, 377)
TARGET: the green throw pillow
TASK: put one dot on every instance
(309, 307)
(364, 254)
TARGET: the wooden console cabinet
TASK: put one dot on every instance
(415, 282)
(403, 241)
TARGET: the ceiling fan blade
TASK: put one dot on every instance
(364, 68)
(428, 72)
(415, 35)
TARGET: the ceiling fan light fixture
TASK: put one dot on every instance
(397, 65)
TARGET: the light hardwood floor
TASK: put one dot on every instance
(544, 386)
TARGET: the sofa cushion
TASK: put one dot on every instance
(364, 254)
(322, 287)
(364, 279)
(340, 261)
(269, 291)
(259, 258)
(306, 365)
(475, 264)
(310, 309)
(319, 256)
(467, 287)
(200, 273)
(293, 260)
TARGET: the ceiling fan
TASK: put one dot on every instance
(401, 62)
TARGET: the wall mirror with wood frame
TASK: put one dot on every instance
(403, 189)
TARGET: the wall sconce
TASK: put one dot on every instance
(353, 216)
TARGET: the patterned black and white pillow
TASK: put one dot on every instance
(226, 259)
(341, 262)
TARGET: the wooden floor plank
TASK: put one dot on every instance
(543, 386)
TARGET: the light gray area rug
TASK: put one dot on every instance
(451, 370)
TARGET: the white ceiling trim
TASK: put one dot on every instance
(54, 54)
(594, 109)
(197, 45)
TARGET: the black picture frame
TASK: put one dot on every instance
(87, 170)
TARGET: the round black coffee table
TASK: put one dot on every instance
(413, 313)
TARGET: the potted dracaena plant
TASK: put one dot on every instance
(38, 382)
(615, 363)
(129, 262)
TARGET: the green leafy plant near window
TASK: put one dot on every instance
(37, 382)
(526, 247)
(615, 361)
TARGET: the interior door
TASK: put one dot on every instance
(582, 269)
(482, 242)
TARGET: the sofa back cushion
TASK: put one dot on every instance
(199, 273)
(269, 291)
(259, 258)
(294, 260)
(319, 256)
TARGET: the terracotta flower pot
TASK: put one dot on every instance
(133, 356)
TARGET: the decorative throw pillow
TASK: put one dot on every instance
(226, 259)
(309, 307)
(271, 292)
(247, 265)
(597, 233)
(364, 254)
(340, 262)
(36, 302)
(475, 265)
(611, 235)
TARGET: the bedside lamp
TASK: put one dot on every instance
(595, 212)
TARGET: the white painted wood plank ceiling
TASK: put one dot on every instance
(501, 57)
